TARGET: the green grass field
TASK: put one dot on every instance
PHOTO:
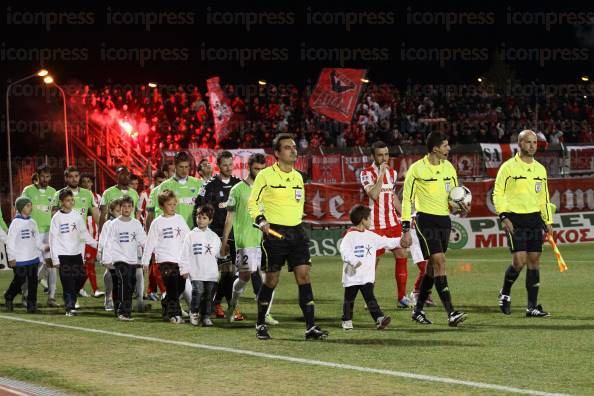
(550, 354)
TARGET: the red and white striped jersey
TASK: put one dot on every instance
(91, 225)
(383, 212)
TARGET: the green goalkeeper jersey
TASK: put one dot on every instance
(42, 205)
(245, 235)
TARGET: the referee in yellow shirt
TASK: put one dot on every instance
(427, 185)
(521, 198)
(276, 204)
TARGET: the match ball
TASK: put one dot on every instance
(460, 195)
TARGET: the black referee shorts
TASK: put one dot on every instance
(292, 249)
(433, 232)
(528, 232)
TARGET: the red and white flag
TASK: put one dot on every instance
(220, 106)
(495, 154)
(337, 92)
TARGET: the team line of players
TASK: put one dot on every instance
(200, 236)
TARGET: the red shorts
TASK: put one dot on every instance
(392, 232)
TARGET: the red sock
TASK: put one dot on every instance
(401, 275)
(159, 279)
(152, 284)
(422, 268)
(90, 268)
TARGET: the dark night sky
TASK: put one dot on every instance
(396, 43)
(290, 40)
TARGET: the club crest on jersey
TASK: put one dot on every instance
(447, 186)
(538, 187)
(298, 194)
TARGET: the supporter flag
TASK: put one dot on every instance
(220, 107)
(337, 92)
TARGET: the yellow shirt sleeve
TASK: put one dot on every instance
(546, 209)
(499, 191)
(257, 190)
(408, 194)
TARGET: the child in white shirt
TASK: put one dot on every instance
(126, 236)
(23, 247)
(165, 238)
(198, 262)
(67, 236)
(113, 212)
(358, 249)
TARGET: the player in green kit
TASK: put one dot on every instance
(184, 186)
(247, 237)
(41, 195)
(83, 198)
(120, 190)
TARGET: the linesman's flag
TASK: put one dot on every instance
(337, 92)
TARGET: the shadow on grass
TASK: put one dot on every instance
(395, 342)
(538, 324)
(479, 308)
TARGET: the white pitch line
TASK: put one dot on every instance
(311, 362)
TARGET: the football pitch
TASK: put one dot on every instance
(489, 353)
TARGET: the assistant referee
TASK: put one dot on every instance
(521, 198)
(276, 203)
(427, 184)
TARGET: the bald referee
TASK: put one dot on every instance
(276, 204)
(521, 198)
(427, 184)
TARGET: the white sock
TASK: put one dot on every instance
(238, 288)
(139, 286)
(270, 303)
(108, 283)
(188, 292)
(52, 279)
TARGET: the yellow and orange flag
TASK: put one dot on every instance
(560, 261)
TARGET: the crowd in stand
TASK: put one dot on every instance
(180, 117)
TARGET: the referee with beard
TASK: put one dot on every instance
(276, 205)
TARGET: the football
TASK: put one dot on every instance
(460, 195)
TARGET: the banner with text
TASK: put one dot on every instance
(486, 232)
(331, 203)
(581, 159)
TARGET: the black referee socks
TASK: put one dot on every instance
(264, 297)
(425, 289)
(441, 285)
(532, 285)
(306, 303)
(508, 280)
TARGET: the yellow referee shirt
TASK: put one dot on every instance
(522, 188)
(278, 195)
(428, 186)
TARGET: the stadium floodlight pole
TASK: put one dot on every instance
(49, 80)
(40, 73)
